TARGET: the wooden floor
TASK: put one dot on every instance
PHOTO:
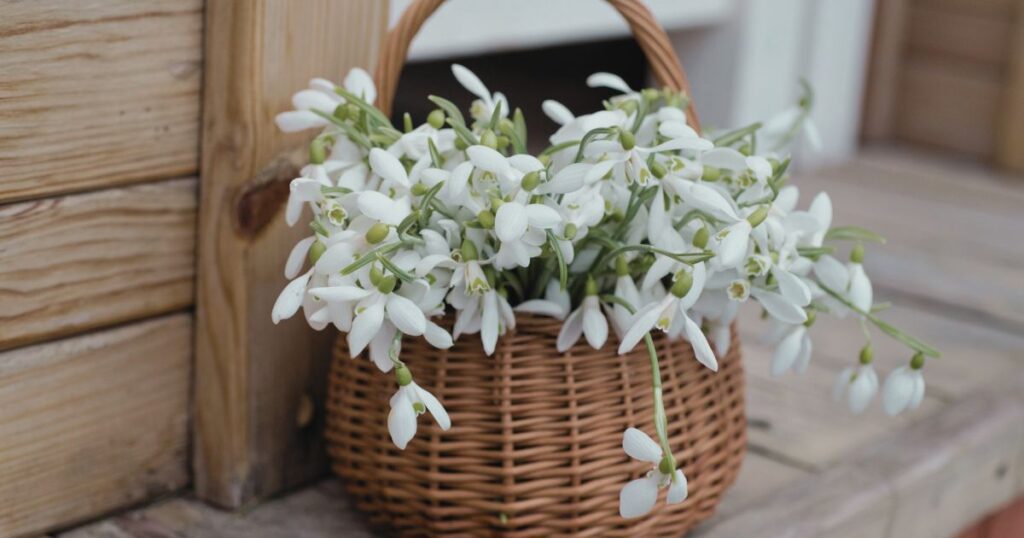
(954, 266)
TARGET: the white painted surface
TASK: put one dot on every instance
(471, 27)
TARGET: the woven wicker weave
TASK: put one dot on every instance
(535, 447)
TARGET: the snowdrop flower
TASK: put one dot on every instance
(793, 352)
(639, 496)
(860, 285)
(904, 387)
(857, 385)
(521, 230)
(321, 97)
(482, 108)
(587, 320)
(409, 402)
(663, 315)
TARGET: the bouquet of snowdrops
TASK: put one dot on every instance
(629, 221)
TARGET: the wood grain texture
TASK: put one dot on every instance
(101, 93)
(87, 260)
(883, 86)
(251, 376)
(949, 104)
(93, 423)
(977, 37)
(1010, 151)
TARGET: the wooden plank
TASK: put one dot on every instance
(950, 105)
(1011, 126)
(759, 477)
(982, 38)
(929, 480)
(104, 93)
(320, 511)
(93, 423)
(973, 7)
(87, 260)
(251, 377)
(883, 85)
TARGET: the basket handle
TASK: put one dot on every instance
(648, 33)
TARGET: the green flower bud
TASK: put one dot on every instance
(746, 149)
(468, 250)
(628, 106)
(658, 170)
(316, 250)
(812, 314)
(407, 122)
(531, 180)
(489, 139)
(544, 159)
(570, 231)
(496, 202)
(683, 283)
(375, 275)
(757, 217)
(387, 284)
(621, 266)
(436, 118)
(506, 124)
(667, 465)
(341, 112)
(460, 144)
(419, 189)
(867, 354)
(650, 94)
(700, 239)
(352, 111)
(711, 173)
(403, 375)
(485, 218)
(377, 233)
(317, 151)
(857, 254)
(503, 142)
(627, 139)
(917, 361)
(591, 286)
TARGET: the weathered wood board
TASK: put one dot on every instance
(93, 423)
(89, 260)
(96, 93)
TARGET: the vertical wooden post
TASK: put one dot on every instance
(885, 69)
(1010, 150)
(254, 380)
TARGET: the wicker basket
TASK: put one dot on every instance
(535, 447)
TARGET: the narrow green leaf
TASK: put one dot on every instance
(853, 233)
(563, 269)
(449, 109)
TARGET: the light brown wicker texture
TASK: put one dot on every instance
(535, 447)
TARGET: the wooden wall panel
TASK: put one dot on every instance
(1010, 152)
(976, 37)
(93, 423)
(96, 93)
(252, 376)
(88, 260)
(949, 105)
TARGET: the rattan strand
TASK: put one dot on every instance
(535, 447)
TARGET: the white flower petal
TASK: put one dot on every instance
(608, 80)
(793, 288)
(701, 348)
(639, 446)
(677, 491)
(358, 82)
(388, 167)
(314, 100)
(340, 294)
(290, 299)
(489, 322)
(860, 288)
(437, 336)
(568, 179)
(760, 166)
(406, 316)
(918, 395)
(297, 257)
(595, 326)
(683, 143)
(365, 327)
(779, 307)
(786, 351)
(541, 307)
(375, 205)
(557, 111)
(488, 159)
(541, 216)
(641, 324)
(898, 391)
(709, 199)
(832, 273)
(402, 422)
(733, 248)
(298, 120)
(434, 406)
(862, 390)
(638, 497)
(571, 331)
(471, 82)
(727, 158)
(511, 221)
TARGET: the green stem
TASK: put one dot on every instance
(892, 331)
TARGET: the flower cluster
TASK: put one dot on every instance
(629, 221)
